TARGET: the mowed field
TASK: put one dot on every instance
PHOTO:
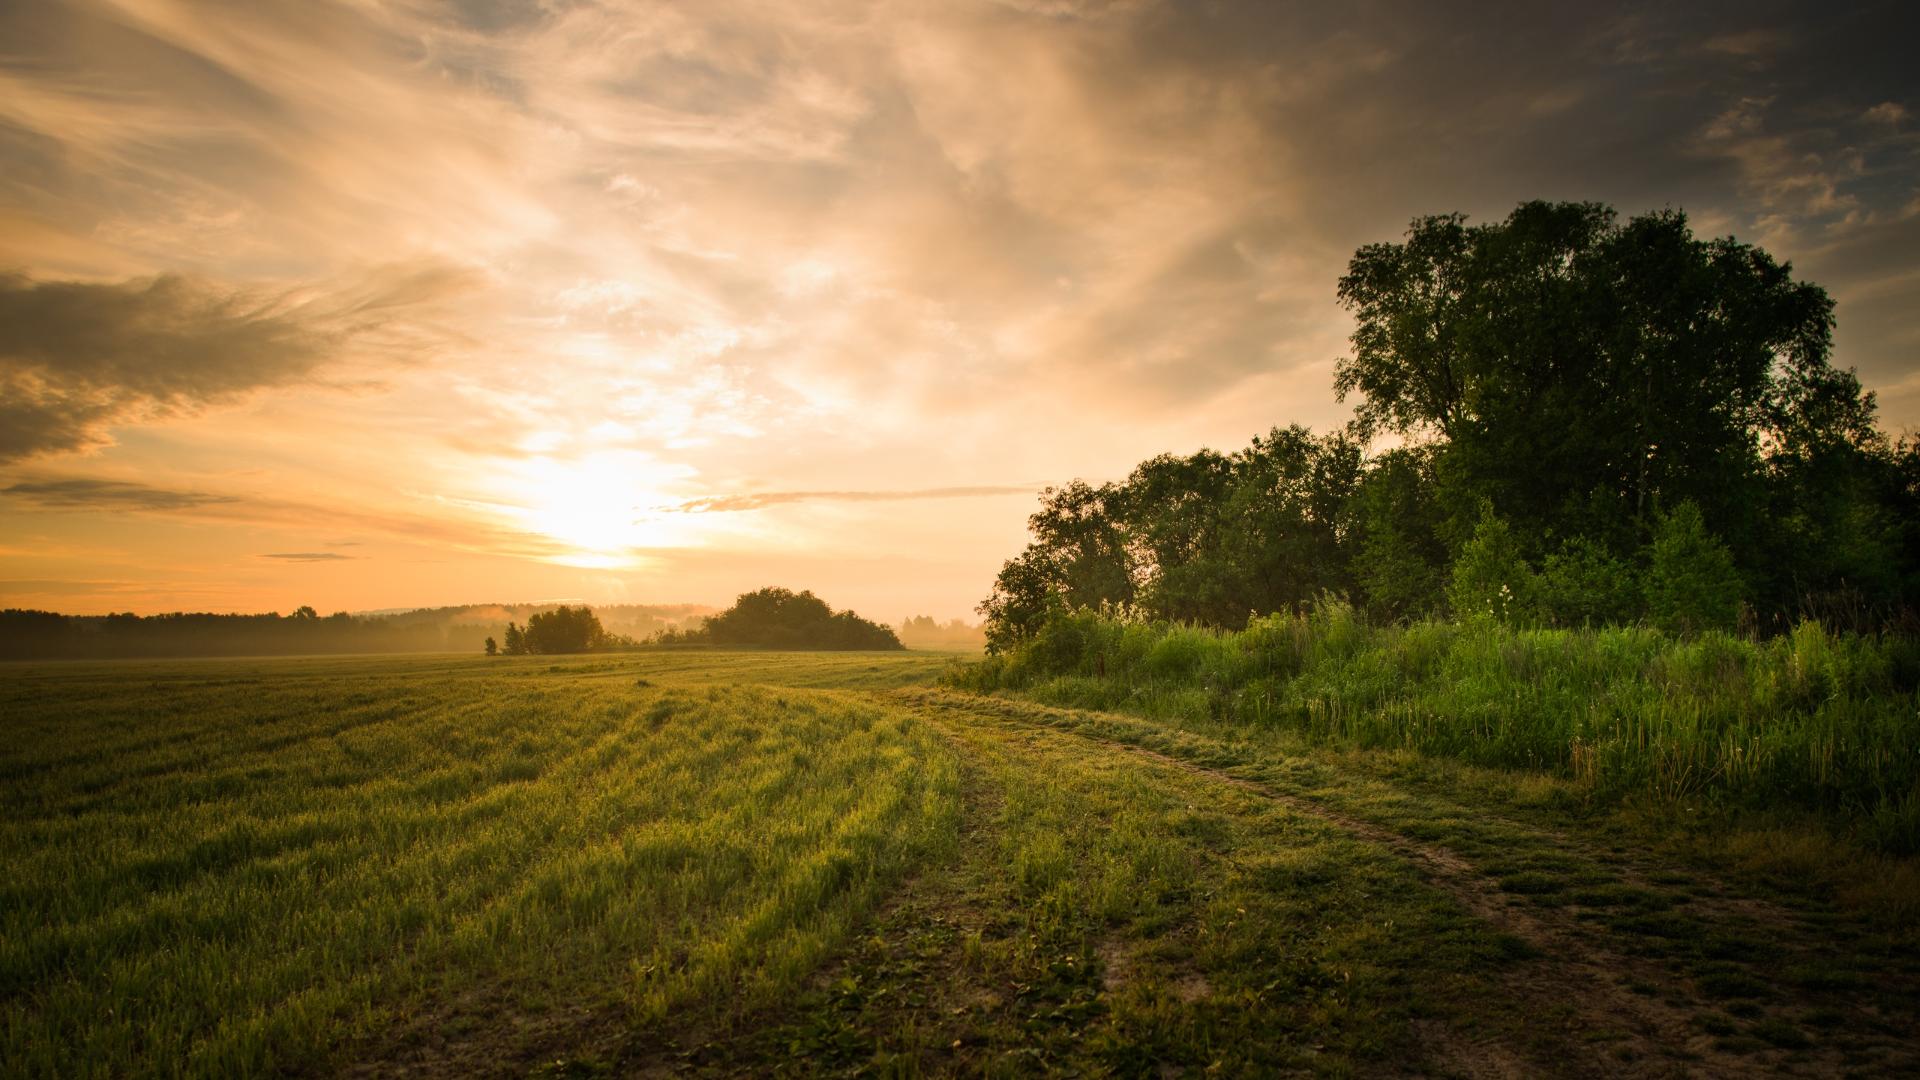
(743, 863)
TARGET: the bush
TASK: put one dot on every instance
(1490, 580)
(1583, 584)
(1691, 583)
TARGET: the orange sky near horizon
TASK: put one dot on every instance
(366, 304)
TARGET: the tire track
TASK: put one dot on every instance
(1580, 981)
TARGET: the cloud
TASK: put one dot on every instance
(473, 535)
(1887, 112)
(59, 587)
(1749, 43)
(716, 504)
(92, 494)
(78, 357)
(309, 556)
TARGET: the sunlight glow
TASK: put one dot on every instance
(597, 507)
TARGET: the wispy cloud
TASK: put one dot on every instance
(77, 357)
(92, 494)
(309, 556)
(59, 587)
(714, 504)
(95, 494)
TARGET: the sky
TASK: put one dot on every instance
(371, 304)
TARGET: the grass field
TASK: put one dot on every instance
(742, 863)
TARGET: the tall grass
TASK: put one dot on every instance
(1812, 719)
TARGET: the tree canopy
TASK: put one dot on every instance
(1582, 372)
(780, 618)
(1608, 420)
(562, 630)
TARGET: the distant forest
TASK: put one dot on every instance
(924, 632)
(798, 621)
(44, 635)
(1562, 420)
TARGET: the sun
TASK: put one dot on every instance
(600, 510)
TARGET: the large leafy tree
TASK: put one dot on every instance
(1564, 387)
(1582, 372)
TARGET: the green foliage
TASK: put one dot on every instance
(1208, 537)
(1563, 355)
(1583, 584)
(1401, 562)
(1826, 722)
(777, 618)
(1691, 581)
(563, 630)
(1490, 580)
(1574, 370)
(1026, 594)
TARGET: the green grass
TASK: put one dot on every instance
(1828, 723)
(229, 867)
(1116, 915)
(743, 863)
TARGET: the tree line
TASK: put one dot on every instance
(26, 634)
(1584, 421)
(926, 632)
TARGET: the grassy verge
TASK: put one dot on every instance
(1825, 723)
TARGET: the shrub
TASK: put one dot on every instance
(1691, 583)
(1583, 584)
(1490, 579)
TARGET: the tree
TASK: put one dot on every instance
(1026, 594)
(780, 618)
(1083, 531)
(1262, 530)
(1581, 371)
(516, 640)
(563, 630)
(493, 647)
(1399, 560)
(1554, 380)
(1209, 537)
